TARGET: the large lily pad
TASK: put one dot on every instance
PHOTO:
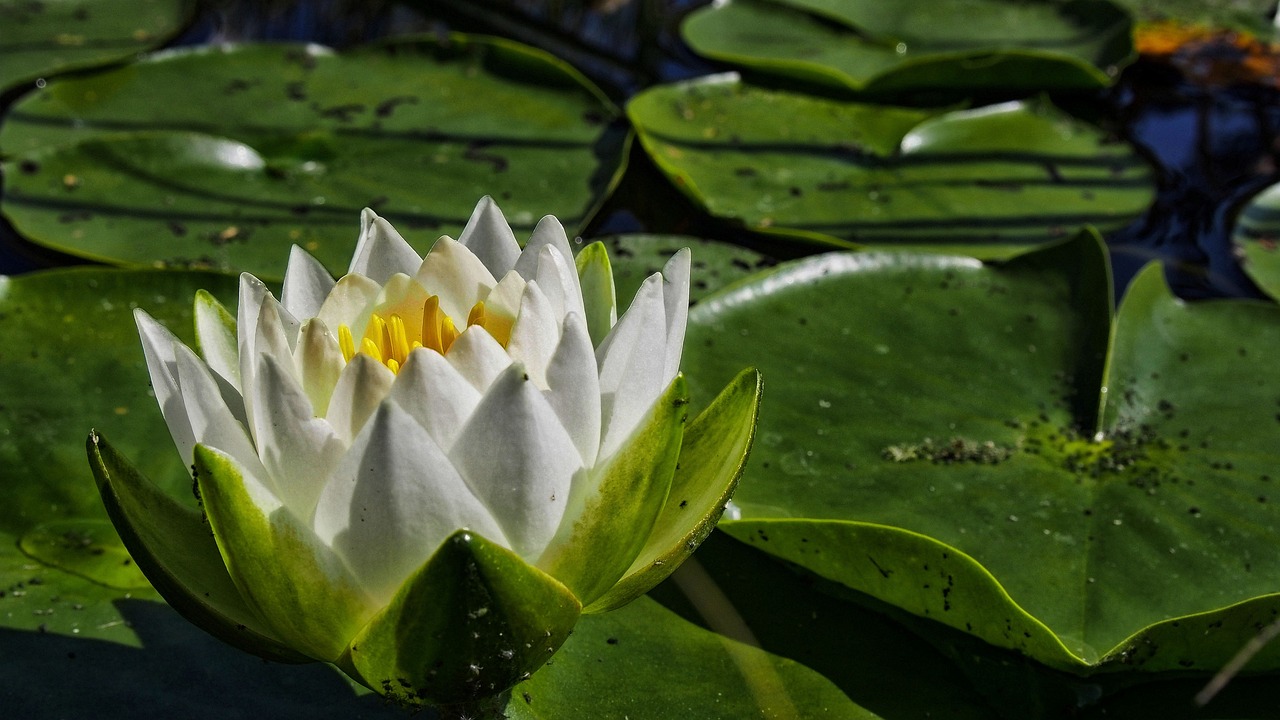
(1257, 240)
(949, 45)
(940, 434)
(223, 157)
(989, 181)
(45, 37)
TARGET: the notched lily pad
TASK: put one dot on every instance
(222, 157)
(913, 45)
(989, 182)
(968, 442)
(88, 548)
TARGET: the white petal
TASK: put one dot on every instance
(455, 274)
(216, 334)
(675, 296)
(549, 232)
(158, 345)
(438, 397)
(488, 235)
(252, 291)
(211, 421)
(518, 460)
(306, 284)
(558, 278)
(536, 333)
(573, 387)
(298, 449)
(350, 304)
(478, 357)
(381, 251)
(275, 335)
(632, 359)
(392, 500)
(361, 387)
(319, 364)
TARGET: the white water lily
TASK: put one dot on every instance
(366, 449)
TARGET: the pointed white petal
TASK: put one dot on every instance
(535, 334)
(573, 387)
(478, 357)
(350, 304)
(549, 232)
(392, 500)
(675, 296)
(518, 460)
(306, 284)
(488, 235)
(216, 335)
(252, 291)
(319, 364)
(361, 387)
(558, 279)
(158, 345)
(211, 422)
(454, 273)
(438, 397)
(298, 449)
(381, 251)
(631, 360)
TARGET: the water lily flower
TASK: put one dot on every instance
(425, 471)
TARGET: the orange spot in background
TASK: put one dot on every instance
(1210, 56)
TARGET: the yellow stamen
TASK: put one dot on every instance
(431, 323)
(448, 333)
(370, 348)
(477, 315)
(398, 340)
(346, 343)
(389, 340)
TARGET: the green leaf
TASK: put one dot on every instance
(604, 531)
(712, 457)
(46, 37)
(297, 585)
(635, 257)
(598, 294)
(1257, 238)
(989, 182)
(472, 622)
(223, 157)
(933, 45)
(934, 440)
(644, 661)
(173, 545)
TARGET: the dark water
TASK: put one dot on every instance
(1213, 145)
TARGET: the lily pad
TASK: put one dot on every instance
(941, 434)
(45, 37)
(223, 157)
(1257, 240)
(635, 257)
(948, 45)
(989, 182)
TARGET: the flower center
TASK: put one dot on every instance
(390, 339)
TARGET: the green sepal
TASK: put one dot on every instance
(599, 296)
(174, 548)
(474, 620)
(602, 533)
(712, 458)
(301, 588)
